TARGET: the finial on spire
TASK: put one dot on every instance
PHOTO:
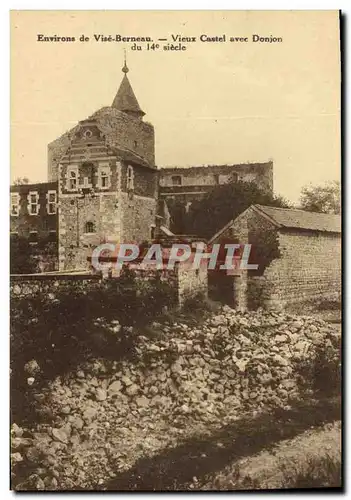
(125, 67)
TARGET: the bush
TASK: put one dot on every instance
(323, 375)
(317, 472)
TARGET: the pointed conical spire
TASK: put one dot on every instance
(125, 99)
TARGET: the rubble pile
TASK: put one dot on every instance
(102, 418)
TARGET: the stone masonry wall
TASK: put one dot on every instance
(43, 285)
(138, 214)
(197, 181)
(120, 130)
(186, 282)
(74, 213)
(261, 173)
(191, 282)
(126, 132)
(309, 268)
(294, 266)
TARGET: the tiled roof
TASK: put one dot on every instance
(300, 219)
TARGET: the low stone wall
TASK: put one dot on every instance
(187, 282)
(25, 285)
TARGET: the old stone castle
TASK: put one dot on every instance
(103, 184)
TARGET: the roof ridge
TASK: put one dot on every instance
(294, 209)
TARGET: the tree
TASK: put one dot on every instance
(224, 203)
(20, 181)
(323, 198)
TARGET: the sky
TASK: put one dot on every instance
(214, 103)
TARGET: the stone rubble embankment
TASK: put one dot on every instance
(100, 419)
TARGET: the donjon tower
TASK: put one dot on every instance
(107, 179)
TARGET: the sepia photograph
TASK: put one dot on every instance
(175, 251)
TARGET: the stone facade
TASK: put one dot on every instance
(108, 187)
(107, 178)
(119, 129)
(34, 216)
(295, 264)
(309, 268)
(191, 282)
(111, 197)
(186, 185)
(30, 210)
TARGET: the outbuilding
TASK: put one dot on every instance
(298, 255)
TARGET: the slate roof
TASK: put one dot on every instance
(125, 99)
(299, 219)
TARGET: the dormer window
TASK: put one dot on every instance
(33, 203)
(130, 178)
(15, 204)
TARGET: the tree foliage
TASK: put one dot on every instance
(20, 181)
(224, 203)
(22, 258)
(323, 198)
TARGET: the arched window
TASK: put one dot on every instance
(89, 227)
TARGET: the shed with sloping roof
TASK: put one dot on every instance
(298, 254)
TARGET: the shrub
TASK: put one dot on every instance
(322, 376)
(317, 472)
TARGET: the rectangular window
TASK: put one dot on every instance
(51, 204)
(176, 180)
(104, 179)
(52, 236)
(15, 204)
(130, 178)
(33, 203)
(104, 176)
(72, 178)
(33, 237)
